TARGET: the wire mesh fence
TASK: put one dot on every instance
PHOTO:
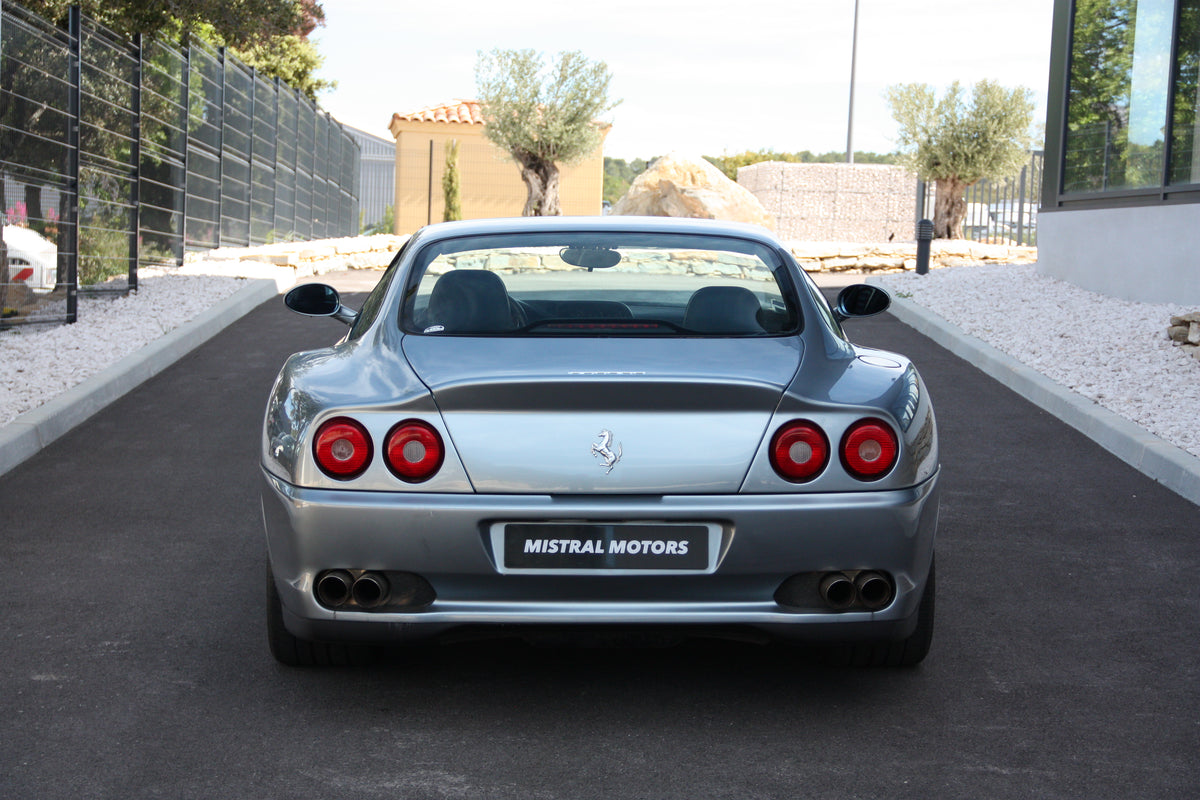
(115, 154)
(1003, 211)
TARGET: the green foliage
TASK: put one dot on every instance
(956, 142)
(237, 22)
(103, 254)
(1185, 160)
(292, 59)
(1109, 143)
(618, 175)
(542, 115)
(386, 224)
(450, 184)
(269, 35)
(729, 164)
(960, 140)
(547, 112)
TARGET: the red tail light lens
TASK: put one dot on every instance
(342, 448)
(799, 451)
(414, 451)
(869, 449)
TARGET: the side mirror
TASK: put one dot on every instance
(319, 300)
(861, 300)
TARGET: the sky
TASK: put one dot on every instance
(692, 77)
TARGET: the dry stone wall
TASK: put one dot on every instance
(892, 257)
(316, 257)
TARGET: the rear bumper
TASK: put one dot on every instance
(448, 540)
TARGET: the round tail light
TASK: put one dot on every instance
(799, 451)
(414, 451)
(869, 449)
(342, 448)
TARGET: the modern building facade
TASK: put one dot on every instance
(1121, 198)
(377, 175)
(489, 180)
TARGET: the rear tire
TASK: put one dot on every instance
(296, 652)
(903, 653)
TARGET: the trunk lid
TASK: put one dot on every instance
(545, 415)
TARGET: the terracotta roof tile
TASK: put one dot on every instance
(459, 111)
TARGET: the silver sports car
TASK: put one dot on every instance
(587, 424)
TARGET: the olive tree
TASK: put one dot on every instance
(542, 115)
(956, 141)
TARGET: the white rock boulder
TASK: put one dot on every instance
(676, 185)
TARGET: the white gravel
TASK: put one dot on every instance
(1114, 352)
(39, 362)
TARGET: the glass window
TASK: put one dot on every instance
(610, 284)
(1185, 127)
(1117, 96)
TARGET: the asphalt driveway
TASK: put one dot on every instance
(134, 660)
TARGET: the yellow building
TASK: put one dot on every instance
(490, 182)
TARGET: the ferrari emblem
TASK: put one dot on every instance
(603, 449)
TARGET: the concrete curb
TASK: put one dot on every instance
(33, 430)
(1171, 466)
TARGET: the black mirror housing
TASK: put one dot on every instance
(861, 300)
(318, 300)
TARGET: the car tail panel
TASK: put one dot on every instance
(574, 416)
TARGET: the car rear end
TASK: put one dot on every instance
(675, 438)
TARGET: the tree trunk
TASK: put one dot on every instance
(949, 209)
(541, 181)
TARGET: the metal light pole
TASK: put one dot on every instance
(853, 60)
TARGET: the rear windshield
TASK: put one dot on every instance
(610, 284)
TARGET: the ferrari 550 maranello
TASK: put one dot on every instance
(578, 424)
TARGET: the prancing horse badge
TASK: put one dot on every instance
(603, 449)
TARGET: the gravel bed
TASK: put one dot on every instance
(1114, 352)
(39, 362)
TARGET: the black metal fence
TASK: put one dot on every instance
(115, 154)
(998, 211)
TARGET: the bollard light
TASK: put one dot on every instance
(924, 237)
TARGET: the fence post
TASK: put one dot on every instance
(135, 147)
(187, 147)
(221, 152)
(74, 106)
(1021, 207)
(250, 159)
(429, 194)
(275, 226)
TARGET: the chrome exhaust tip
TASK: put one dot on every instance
(333, 588)
(874, 590)
(837, 590)
(371, 590)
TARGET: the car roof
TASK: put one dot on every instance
(628, 224)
